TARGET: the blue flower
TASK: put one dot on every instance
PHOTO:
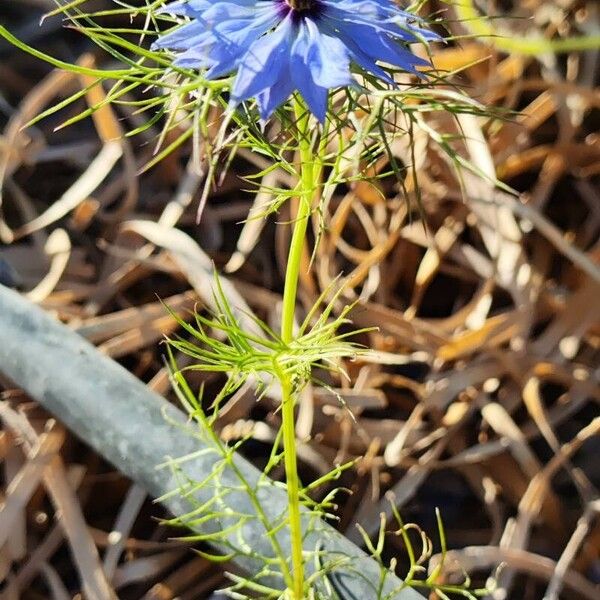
(278, 46)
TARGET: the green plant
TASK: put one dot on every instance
(363, 121)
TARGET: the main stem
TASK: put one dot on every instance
(305, 194)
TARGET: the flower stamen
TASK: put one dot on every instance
(300, 5)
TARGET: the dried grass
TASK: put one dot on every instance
(481, 394)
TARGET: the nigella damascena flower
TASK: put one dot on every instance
(278, 46)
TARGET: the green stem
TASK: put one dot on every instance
(293, 487)
(305, 193)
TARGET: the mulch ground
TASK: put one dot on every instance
(482, 398)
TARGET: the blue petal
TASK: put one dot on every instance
(369, 14)
(220, 47)
(222, 11)
(379, 47)
(183, 37)
(184, 8)
(193, 59)
(272, 97)
(237, 31)
(233, 39)
(314, 95)
(326, 56)
(263, 62)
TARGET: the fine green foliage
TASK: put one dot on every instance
(242, 355)
(218, 344)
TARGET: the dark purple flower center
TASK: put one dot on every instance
(300, 8)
